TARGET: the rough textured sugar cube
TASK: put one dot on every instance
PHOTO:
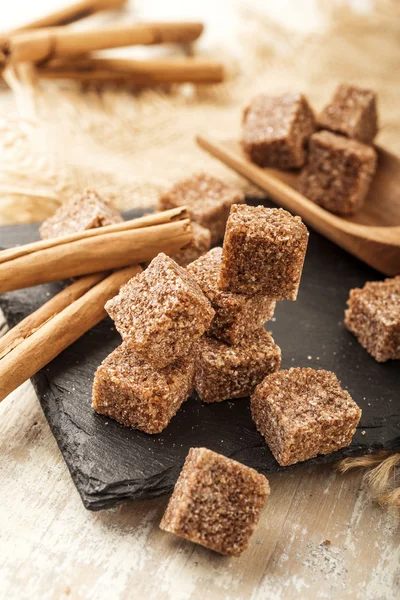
(263, 252)
(83, 211)
(338, 173)
(207, 199)
(351, 112)
(161, 312)
(235, 314)
(200, 245)
(302, 413)
(275, 130)
(131, 391)
(373, 315)
(216, 502)
(225, 372)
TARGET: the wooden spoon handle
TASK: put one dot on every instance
(379, 247)
(280, 192)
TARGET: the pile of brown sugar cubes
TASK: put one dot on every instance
(202, 328)
(338, 161)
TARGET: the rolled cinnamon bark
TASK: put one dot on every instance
(32, 322)
(94, 254)
(59, 332)
(60, 42)
(71, 13)
(138, 72)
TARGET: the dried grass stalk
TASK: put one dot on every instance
(382, 478)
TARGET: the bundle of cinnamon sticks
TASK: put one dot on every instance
(61, 52)
(39, 338)
(57, 51)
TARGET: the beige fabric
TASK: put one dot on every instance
(133, 144)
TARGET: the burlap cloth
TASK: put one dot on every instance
(56, 139)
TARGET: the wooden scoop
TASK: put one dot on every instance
(373, 234)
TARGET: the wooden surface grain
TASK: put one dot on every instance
(320, 536)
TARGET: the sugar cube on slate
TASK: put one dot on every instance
(373, 315)
(81, 212)
(303, 412)
(225, 372)
(351, 112)
(275, 130)
(263, 252)
(216, 502)
(200, 245)
(338, 173)
(207, 199)
(235, 314)
(161, 312)
(131, 391)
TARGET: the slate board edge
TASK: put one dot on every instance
(99, 498)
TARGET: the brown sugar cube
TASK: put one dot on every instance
(200, 245)
(207, 199)
(338, 173)
(161, 312)
(134, 393)
(216, 502)
(263, 252)
(351, 112)
(302, 413)
(83, 211)
(275, 130)
(225, 372)
(373, 315)
(235, 314)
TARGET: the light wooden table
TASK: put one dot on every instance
(319, 536)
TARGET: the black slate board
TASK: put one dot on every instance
(110, 464)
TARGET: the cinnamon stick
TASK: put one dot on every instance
(158, 218)
(94, 254)
(139, 72)
(60, 42)
(71, 13)
(59, 332)
(30, 324)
